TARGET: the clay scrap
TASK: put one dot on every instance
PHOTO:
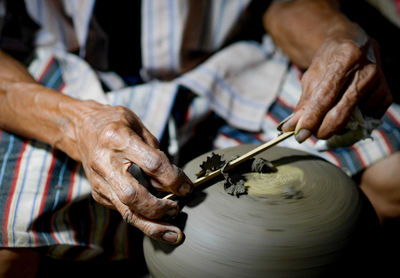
(212, 163)
(235, 179)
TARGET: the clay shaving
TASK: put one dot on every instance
(235, 181)
(212, 163)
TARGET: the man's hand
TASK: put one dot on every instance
(108, 140)
(343, 66)
(344, 73)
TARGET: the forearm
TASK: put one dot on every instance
(299, 27)
(34, 111)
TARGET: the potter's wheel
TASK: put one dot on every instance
(306, 220)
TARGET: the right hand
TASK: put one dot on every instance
(344, 74)
(108, 140)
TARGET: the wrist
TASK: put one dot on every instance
(348, 31)
(300, 27)
(34, 111)
(76, 115)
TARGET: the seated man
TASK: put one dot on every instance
(68, 141)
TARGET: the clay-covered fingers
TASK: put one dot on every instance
(137, 211)
(139, 199)
(338, 115)
(154, 229)
(133, 143)
(116, 182)
(135, 204)
(109, 140)
(339, 79)
(164, 175)
(322, 85)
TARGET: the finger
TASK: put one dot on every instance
(113, 178)
(156, 230)
(377, 102)
(156, 164)
(101, 199)
(116, 132)
(337, 117)
(99, 191)
(152, 161)
(322, 85)
(140, 129)
(317, 98)
(289, 124)
(139, 199)
(148, 138)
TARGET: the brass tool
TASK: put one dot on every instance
(240, 159)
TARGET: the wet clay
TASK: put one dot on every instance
(235, 179)
(287, 183)
(300, 221)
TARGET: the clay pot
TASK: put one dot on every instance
(308, 219)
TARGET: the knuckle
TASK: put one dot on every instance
(120, 109)
(123, 113)
(155, 233)
(154, 213)
(128, 216)
(144, 204)
(113, 136)
(96, 163)
(154, 162)
(129, 197)
(153, 141)
(96, 196)
(110, 131)
(370, 72)
(101, 199)
(351, 99)
(313, 119)
(351, 50)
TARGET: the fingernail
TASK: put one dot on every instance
(288, 125)
(302, 135)
(185, 189)
(172, 212)
(170, 237)
(282, 123)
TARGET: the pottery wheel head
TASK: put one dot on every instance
(295, 222)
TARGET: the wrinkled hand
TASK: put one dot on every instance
(109, 140)
(344, 73)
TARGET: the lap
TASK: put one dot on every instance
(381, 183)
(18, 262)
